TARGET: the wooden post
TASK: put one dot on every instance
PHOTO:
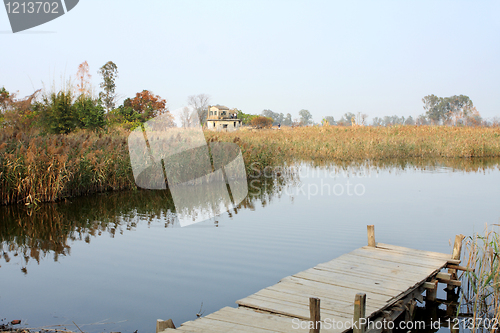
(457, 249)
(371, 235)
(162, 325)
(359, 313)
(431, 292)
(451, 309)
(315, 316)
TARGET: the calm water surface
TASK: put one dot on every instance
(119, 261)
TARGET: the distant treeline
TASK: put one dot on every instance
(452, 111)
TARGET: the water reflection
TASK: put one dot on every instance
(32, 235)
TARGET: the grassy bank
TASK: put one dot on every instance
(374, 143)
(45, 168)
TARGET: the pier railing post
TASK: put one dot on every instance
(431, 290)
(457, 250)
(315, 317)
(371, 235)
(359, 313)
(162, 325)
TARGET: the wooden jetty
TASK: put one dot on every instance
(375, 283)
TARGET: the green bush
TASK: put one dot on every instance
(57, 112)
(89, 113)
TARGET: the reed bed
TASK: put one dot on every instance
(45, 168)
(337, 143)
(42, 168)
(481, 288)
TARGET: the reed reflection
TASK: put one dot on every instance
(36, 234)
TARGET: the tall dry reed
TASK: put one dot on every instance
(372, 143)
(481, 287)
(41, 168)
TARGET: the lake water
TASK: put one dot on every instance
(119, 261)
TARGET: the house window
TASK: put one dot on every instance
(211, 113)
(235, 124)
(224, 126)
(214, 123)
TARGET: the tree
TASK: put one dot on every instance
(288, 120)
(89, 113)
(262, 122)
(83, 79)
(16, 113)
(305, 117)
(328, 120)
(57, 112)
(276, 117)
(246, 118)
(147, 105)
(346, 119)
(377, 122)
(6, 100)
(409, 121)
(200, 104)
(446, 109)
(422, 120)
(361, 120)
(187, 117)
(109, 73)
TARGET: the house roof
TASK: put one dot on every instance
(221, 107)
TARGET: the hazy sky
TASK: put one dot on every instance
(330, 57)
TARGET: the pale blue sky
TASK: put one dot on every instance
(330, 57)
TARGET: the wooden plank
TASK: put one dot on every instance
(327, 305)
(328, 296)
(414, 252)
(443, 276)
(345, 291)
(240, 320)
(279, 306)
(409, 268)
(460, 268)
(409, 258)
(254, 316)
(381, 255)
(335, 278)
(354, 265)
(216, 326)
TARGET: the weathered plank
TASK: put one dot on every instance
(414, 252)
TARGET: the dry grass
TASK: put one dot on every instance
(336, 143)
(35, 168)
(481, 288)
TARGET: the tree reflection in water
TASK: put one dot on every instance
(28, 234)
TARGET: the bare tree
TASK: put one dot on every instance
(187, 117)
(363, 118)
(200, 104)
